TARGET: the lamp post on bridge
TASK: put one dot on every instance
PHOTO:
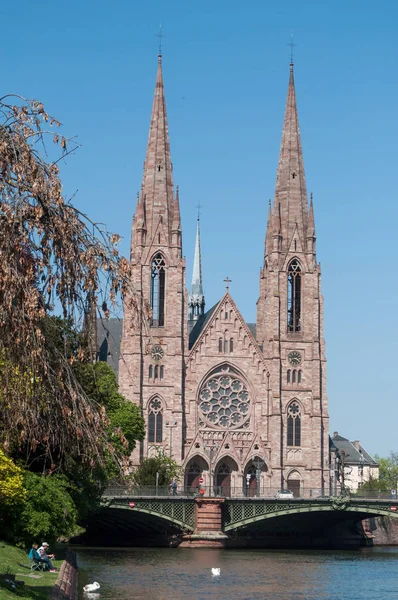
(361, 463)
(210, 451)
(258, 463)
(171, 426)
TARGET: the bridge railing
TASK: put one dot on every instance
(120, 491)
(117, 491)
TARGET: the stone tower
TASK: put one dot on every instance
(154, 337)
(290, 319)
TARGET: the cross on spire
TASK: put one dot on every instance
(160, 35)
(292, 46)
(227, 282)
(199, 206)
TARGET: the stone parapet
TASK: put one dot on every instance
(65, 587)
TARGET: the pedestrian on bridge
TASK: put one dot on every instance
(173, 487)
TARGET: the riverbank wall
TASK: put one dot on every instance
(383, 531)
(65, 587)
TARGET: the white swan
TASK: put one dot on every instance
(91, 587)
(215, 571)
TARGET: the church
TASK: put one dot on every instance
(242, 407)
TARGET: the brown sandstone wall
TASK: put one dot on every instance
(65, 587)
(383, 531)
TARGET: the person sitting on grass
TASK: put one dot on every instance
(35, 556)
(46, 557)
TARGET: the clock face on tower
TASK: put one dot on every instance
(157, 352)
(294, 357)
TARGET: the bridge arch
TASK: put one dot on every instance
(235, 518)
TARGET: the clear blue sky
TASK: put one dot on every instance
(226, 65)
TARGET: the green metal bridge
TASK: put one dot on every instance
(238, 514)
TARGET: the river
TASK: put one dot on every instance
(176, 574)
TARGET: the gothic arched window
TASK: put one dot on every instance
(155, 421)
(294, 296)
(294, 376)
(156, 375)
(288, 376)
(220, 344)
(161, 371)
(231, 345)
(150, 372)
(158, 276)
(293, 424)
(299, 377)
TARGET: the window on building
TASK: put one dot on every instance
(294, 376)
(225, 346)
(150, 372)
(293, 424)
(161, 371)
(158, 276)
(220, 344)
(294, 296)
(231, 345)
(299, 377)
(288, 376)
(155, 421)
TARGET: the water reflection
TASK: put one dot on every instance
(164, 574)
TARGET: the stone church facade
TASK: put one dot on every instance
(241, 407)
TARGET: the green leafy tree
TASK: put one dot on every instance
(161, 463)
(388, 471)
(126, 424)
(12, 491)
(49, 512)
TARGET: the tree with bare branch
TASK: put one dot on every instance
(52, 259)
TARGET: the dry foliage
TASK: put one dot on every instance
(51, 255)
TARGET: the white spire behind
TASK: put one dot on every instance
(196, 300)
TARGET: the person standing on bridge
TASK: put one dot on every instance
(173, 487)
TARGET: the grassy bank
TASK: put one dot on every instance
(15, 562)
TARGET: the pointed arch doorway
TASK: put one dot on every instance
(252, 476)
(194, 472)
(223, 476)
(294, 483)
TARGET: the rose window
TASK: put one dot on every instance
(224, 400)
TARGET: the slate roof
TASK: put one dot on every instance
(253, 329)
(352, 455)
(200, 325)
(109, 333)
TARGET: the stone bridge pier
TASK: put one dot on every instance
(208, 531)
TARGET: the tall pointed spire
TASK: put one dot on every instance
(290, 190)
(196, 300)
(268, 237)
(157, 183)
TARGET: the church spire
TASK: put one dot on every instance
(290, 190)
(196, 300)
(157, 183)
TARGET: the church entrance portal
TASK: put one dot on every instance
(222, 479)
(293, 483)
(252, 477)
(194, 472)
